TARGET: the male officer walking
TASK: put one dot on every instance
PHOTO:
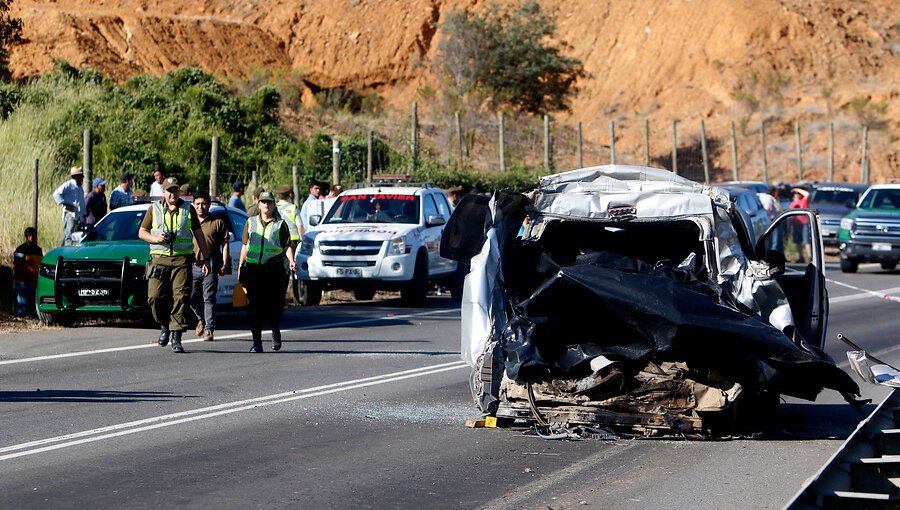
(205, 285)
(171, 226)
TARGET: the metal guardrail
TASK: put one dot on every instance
(865, 472)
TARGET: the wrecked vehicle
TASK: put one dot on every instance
(634, 300)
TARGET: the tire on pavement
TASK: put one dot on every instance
(414, 293)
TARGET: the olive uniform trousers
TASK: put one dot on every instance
(169, 290)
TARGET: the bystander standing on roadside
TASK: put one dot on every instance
(70, 196)
(156, 189)
(123, 194)
(310, 205)
(235, 200)
(455, 195)
(205, 284)
(769, 201)
(26, 264)
(801, 225)
(95, 203)
(171, 227)
(266, 242)
(253, 209)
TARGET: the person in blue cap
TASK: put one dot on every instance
(95, 203)
(235, 200)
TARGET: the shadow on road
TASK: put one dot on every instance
(106, 397)
(818, 421)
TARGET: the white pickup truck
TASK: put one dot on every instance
(385, 237)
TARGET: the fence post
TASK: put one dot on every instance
(765, 160)
(214, 166)
(831, 152)
(734, 160)
(799, 150)
(865, 155)
(295, 183)
(253, 181)
(674, 148)
(459, 140)
(414, 143)
(336, 162)
(703, 152)
(612, 142)
(502, 134)
(580, 147)
(34, 197)
(547, 156)
(370, 156)
(87, 162)
(646, 142)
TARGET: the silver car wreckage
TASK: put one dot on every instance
(638, 301)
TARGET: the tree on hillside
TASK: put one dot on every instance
(511, 55)
(10, 33)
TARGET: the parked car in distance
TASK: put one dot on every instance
(834, 200)
(756, 186)
(871, 232)
(382, 237)
(748, 202)
(103, 276)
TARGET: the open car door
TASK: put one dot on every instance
(793, 241)
(464, 233)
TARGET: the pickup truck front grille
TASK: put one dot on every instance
(348, 263)
(877, 228)
(350, 248)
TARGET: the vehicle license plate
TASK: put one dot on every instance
(881, 246)
(349, 272)
(93, 292)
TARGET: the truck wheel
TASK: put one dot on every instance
(313, 293)
(849, 266)
(299, 288)
(363, 294)
(888, 266)
(49, 319)
(415, 292)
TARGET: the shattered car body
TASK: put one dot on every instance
(635, 300)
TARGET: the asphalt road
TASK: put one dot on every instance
(364, 408)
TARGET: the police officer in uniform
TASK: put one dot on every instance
(261, 271)
(171, 226)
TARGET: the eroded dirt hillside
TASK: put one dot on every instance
(690, 60)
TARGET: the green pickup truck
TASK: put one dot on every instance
(871, 232)
(104, 274)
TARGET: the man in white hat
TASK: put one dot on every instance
(70, 196)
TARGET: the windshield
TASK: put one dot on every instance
(118, 226)
(374, 208)
(837, 196)
(881, 199)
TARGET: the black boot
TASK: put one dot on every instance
(163, 339)
(257, 341)
(176, 341)
(276, 339)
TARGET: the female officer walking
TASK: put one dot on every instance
(267, 240)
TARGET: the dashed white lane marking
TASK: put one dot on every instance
(866, 294)
(226, 337)
(168, 420)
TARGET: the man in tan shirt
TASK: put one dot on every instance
(205, 286)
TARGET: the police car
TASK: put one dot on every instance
(382, 237)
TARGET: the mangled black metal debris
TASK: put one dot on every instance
(640, 301)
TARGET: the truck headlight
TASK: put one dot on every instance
(398, 246)
(847, 223)
(307, 244)
(48, 271)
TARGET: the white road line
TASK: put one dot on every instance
(863, 295)
(881, 294)
(226, 337)
(99, 434)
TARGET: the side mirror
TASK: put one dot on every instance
(314, 219)
(79, 236)
(230, 237)
(435, 221)
(850, 204)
